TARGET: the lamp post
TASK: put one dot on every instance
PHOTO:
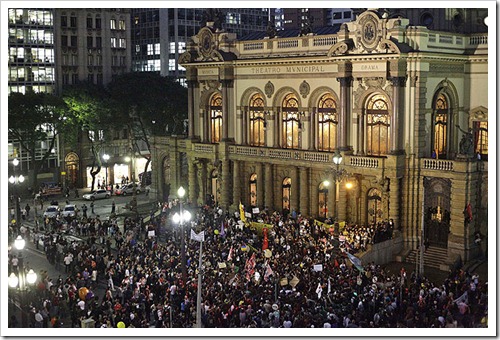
(106, 159)
(179, 218)
(22, 278)
(338, 174)
(16, 180)
(198, 295)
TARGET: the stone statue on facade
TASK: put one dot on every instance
(212, 15)
(466, 145)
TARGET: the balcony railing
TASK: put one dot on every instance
(437, 164)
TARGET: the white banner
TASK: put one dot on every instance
(255, 210)
(198, 237)
(318, 267)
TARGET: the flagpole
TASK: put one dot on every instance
(198, 299)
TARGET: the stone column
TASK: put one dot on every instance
(276, 130)
(226, 84)
(304, 192)
(260, 184)
(397, 120)
(191, 108)
(361, 133)
(202, 180)
(237, 185)
(226, 184)
(192, 180)
(313, 129)
(313, 192)
(345, 108)
(245, 124)
(294, 197)
(394, 198)
(342, 202)
(269, 186)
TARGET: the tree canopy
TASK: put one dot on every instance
(35, 118)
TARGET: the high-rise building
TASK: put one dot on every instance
(32, 68)
(93, 45)
(295, 18)
(50, 48)
(160, 35)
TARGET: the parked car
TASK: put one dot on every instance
(69, 211)
(51, 211)
(128, 189)
(97, 194)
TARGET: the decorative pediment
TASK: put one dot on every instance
(341, 48)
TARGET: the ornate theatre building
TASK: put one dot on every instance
(406, 109)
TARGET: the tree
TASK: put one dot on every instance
(36, 119)
(148, 104)
(90, 114)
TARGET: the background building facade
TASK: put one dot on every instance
(406, 106)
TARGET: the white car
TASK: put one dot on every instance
(69, 211)
(128, 189)
(97, 194)
(51, 211)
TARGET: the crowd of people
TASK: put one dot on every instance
(299, 274)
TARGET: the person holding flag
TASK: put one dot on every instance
(242, 214)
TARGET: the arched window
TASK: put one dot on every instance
(481, 139)
(374, 205)
(253, 190)
(291, 122)
(328, 122)
(323, 199)
(377, 123)
(286, 189)
(441, 112)
(216, 118)
(256, 113)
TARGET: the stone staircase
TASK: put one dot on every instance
(434, 257)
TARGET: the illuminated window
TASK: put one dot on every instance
(291, 122)
(157, 48)
(441, 111)
(113, 42)
(122, 43)
(121, 25)
(378, 124)
(481, 139)
(257, 122)
(216, 118)
(150, 49)
(328, 123)
(113, 24)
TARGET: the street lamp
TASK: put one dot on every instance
(179, 218)
(21, 279)
(338, 175)
(106, 159)
(16, 180)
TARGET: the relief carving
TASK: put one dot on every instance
(269, 89)
(304, 89)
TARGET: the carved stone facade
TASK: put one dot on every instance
(383, 113)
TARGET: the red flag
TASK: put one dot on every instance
(469, 212)
(265, 244)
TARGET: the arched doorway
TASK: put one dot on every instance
(323, 199)
(437, 211)
(374, 205)
(72, 164)
(286, 192)
(253, 190)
